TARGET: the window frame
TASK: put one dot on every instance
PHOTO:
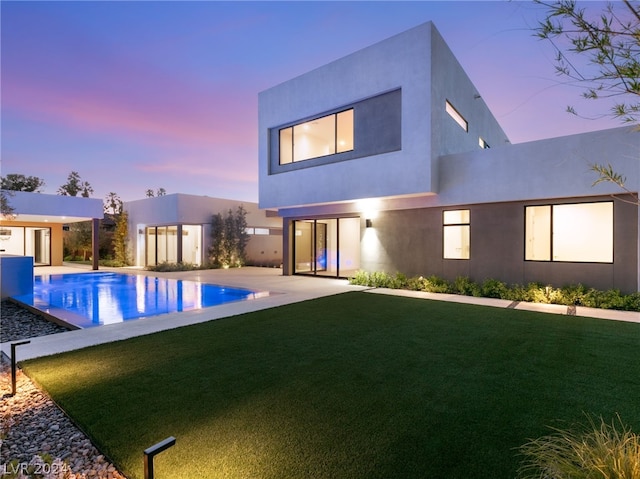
(336, 149)
(465, 225)
(453, 112)
(552, 234)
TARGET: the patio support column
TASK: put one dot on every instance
(287, 241)
(95, 243)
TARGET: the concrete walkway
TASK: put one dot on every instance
(284, 290)
(628, 316)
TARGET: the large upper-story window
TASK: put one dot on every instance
(580, 232)
(323, 136)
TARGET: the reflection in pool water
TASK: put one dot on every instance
(94, 299)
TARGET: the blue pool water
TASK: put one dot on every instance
(93, 299)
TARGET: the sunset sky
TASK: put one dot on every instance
(140, 95)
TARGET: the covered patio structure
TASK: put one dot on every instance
(34, 225)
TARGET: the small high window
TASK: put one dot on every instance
(459, 119)
(327, 135)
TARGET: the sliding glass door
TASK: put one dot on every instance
(173, 244)
(326, 247)
(27, 241)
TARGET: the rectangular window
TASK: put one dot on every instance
(483, 144)
(580, 233)
(456, 234)
(286, 146)
(538, 233)
(323, 136)
(456, 116)
(344, 131)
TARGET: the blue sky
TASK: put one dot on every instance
(139, 95)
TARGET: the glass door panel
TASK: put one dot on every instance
(327, 247)
(327, 253)
(349, 240)
(151, 246)
(161, 244)
(38, 245)
(172, 244)
(303, 246)
(191, 241)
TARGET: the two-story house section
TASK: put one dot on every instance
(388, 159)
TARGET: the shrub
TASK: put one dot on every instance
(632, 302)
(465, 286)
(433, 284)
(415, 283)
(361, 278)
(492, 288)
(398, 282)
(166, 267)
(607, 451)
(611, 299)
(574, 294)
(112, 263)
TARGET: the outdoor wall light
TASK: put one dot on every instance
(368, 223)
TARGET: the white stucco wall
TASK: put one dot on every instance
(197, 210)
(191, 209)
(65, 209)
(551, 168)
(420, 63)
(537, 170)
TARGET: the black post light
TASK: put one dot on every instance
(152, 451)
(13, 365)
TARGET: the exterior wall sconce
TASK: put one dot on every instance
(368, 223)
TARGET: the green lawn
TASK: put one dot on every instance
(350, 386)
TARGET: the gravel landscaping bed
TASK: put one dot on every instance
(33, 430)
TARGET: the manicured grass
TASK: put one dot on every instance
(351, 386)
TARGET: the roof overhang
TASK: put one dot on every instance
(43, 208)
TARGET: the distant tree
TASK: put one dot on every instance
(78, 240)
(160, 192)
(75, 185)
(120, 239)
(217, 241)
(18, 182)
(229, 239)
(6, 210)
(599, 52)
(112, 204)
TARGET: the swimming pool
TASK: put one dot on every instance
(86, 300)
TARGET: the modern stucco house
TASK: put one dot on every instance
(177, 228)
(36, 224)
(389, 160)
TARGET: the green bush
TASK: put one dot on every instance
(398, 282)
(112, 263)
(416, 283)
(466, 287)
(361, 278)
(607, 451)
(433, 284)
(166, 267)
(569, 295)
(632, 302)
(492, 288)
